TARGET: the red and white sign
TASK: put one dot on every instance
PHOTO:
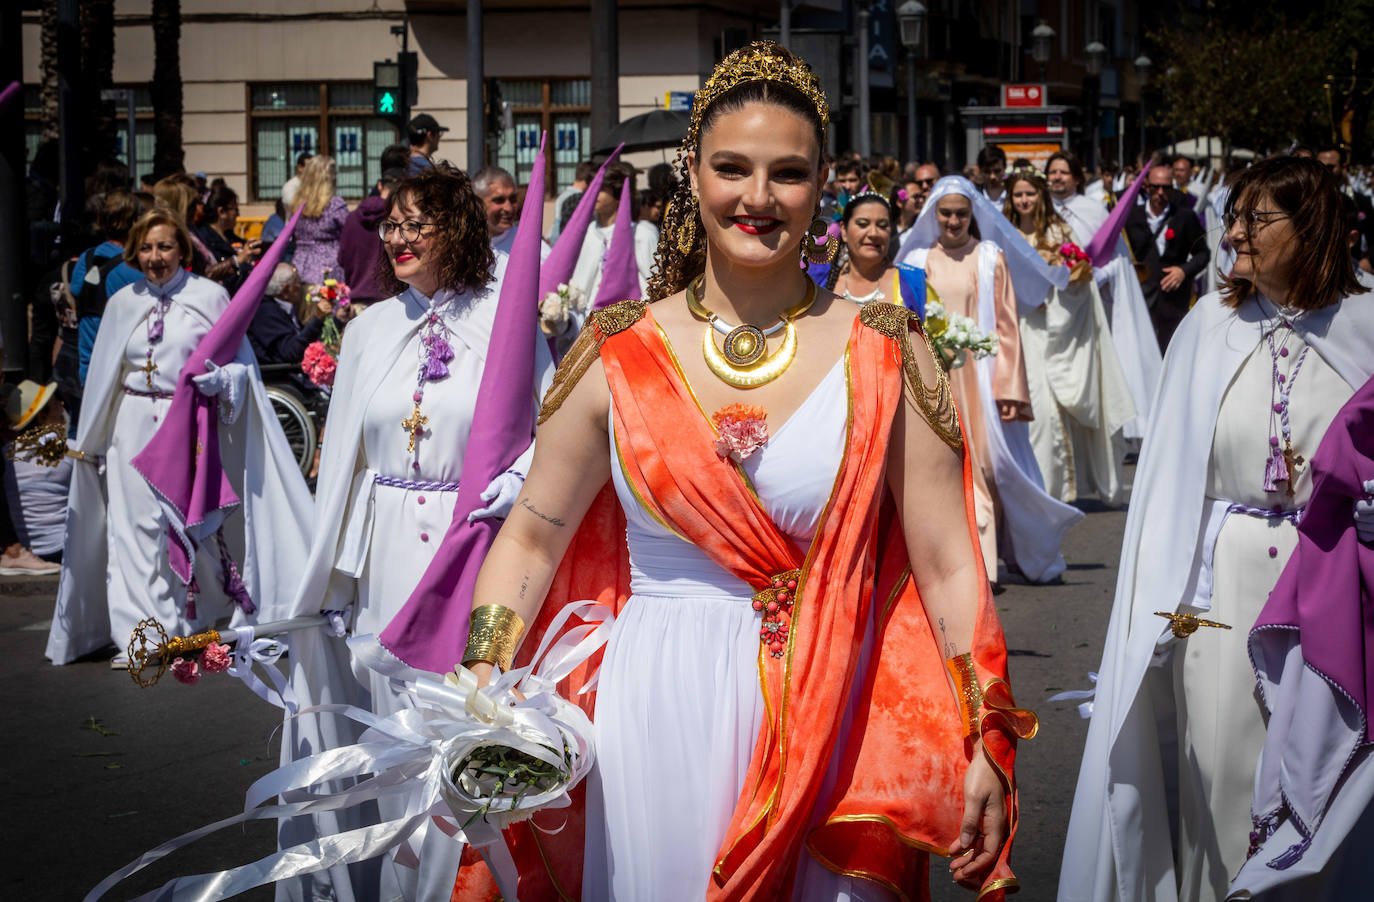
(1023, 95)
(1032, 130)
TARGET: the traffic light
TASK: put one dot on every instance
(388, 98)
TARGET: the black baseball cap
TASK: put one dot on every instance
(426, 123)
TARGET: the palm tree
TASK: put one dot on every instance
(97, 73)
(48, 67)
(168, 156)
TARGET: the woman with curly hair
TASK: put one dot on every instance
(1077, 388)
(791, 702)
(400, 415)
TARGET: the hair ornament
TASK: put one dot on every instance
(760, 61)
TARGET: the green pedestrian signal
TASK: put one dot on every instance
(386, 105)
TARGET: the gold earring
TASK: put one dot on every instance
(687, 234)
(817, 253)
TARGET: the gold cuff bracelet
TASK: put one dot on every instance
(493, 632)
(967, 695)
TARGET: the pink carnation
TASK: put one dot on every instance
(741, 430)
(319, 364)
(185, 671)
(216, 658)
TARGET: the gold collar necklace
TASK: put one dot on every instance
(743, 361)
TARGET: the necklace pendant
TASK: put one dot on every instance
(745, 345)
(148, 369)
(415, 426)
(1293, 461)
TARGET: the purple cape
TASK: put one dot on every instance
(430, 631)
(182, 461)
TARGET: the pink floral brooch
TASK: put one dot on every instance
(741, 430)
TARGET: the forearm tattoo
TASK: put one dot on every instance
(949, 646)
(553, 521)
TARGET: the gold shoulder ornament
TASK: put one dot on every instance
(935, 403)
(602, 324)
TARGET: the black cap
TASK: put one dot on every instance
(426, 123)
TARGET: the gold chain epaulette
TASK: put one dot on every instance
(935, 403)
(601, 325)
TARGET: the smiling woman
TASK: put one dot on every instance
(400, 418)
(758, 674)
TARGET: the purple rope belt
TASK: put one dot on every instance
(398, 482)
(1267, 513)
(159, 395)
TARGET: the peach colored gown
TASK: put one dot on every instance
(954, 276)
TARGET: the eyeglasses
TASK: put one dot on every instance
(924, 183)
(1251, 217)
(410, 229)
(1150, 187)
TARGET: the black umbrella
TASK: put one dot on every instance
(648, 131)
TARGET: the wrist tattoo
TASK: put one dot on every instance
(949, 646)
(553, 521)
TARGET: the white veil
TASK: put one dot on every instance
(1031, 276)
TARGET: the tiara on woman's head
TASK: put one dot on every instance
(1024, 172)
(760, 61)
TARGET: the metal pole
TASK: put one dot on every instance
(865, 116)
(785, 23)
(404, 71)
(912, 151)
(133, 140)
(1142, 123)
(13, 228)
(477, 123)
(605, 71)
(69, 121)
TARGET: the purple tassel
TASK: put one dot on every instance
(233, 583)
(435, 369)
(192, 591)
(1292, 856)
(1275, 471)
(155, 332)
(439, 348)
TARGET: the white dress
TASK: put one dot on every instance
(140, 583)
(1221, 726)
(1078, 392)
(678, 707)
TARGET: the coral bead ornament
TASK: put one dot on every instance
(775, 603)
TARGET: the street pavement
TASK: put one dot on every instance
(102, 771)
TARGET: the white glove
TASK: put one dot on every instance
(500, 496)
(1364, 514)
(229, 383)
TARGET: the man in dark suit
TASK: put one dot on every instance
(276, 335)
(1167, 239)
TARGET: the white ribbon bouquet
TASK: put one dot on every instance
(468, 760)
(956, 336)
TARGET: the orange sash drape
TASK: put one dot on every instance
(903, 759)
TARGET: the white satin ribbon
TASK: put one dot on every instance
(249, 650)
(1085, 710)
(410, 755)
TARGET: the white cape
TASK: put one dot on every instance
(1137, 348)
(269, 533)
(1118, 845)
(1032, 522)
(321, 672)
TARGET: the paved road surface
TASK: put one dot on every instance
(100, 771)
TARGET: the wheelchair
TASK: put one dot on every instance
(300, 407)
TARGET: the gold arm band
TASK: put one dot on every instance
(493, 631)
(967, 694)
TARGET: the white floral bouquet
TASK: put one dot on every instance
(956, 336)
(557, 307)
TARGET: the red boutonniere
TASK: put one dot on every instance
(1168, 234)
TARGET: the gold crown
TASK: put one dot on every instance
(760, 61)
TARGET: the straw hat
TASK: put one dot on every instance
(26, 400)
